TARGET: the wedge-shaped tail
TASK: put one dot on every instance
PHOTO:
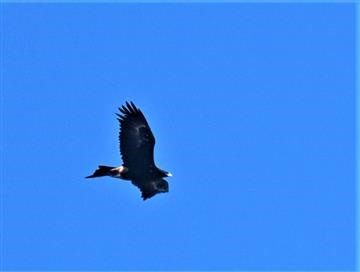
(102, 171)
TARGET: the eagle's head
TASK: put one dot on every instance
(164, 173)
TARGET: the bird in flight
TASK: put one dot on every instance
(137, 151)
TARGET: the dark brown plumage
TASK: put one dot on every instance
(137, 151)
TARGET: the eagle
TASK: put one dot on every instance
(137, 152)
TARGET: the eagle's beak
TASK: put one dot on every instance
(169, 174)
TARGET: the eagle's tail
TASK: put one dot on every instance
(102, 171)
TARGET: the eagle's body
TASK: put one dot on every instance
(137, 151)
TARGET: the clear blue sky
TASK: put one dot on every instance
(253, 109)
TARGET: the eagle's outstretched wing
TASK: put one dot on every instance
(136, 139)
(151, 187)
(148, 189)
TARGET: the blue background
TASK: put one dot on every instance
(253, 109)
